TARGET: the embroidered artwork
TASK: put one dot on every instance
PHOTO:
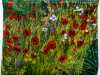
(50, 37)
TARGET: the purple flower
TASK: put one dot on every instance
(53, 29)
(53, 18)
(18, 62)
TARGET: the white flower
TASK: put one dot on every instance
(94, 24)
(77, 7)
(44, 29)
(65, 36)
(53, 18)
(81, 10)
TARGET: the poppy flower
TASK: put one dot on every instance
(75, 25)
(6, 33)
(80, 43)
(15, 38)
(27, 32)
(71, 33)
(35, 40)
(51, 44)
(10, 4)
(16, 17)
(93, 18)
(62, 59)
(64, 21)
(84, 17)
(83, 26)
(17, 49)
(10, 43)
(46, 50)
(12, 17)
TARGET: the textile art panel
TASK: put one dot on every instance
(50, 37)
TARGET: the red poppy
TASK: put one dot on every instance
(93, 18)
(15, 38)
(63, 32)
(51, 44)
(17, 17)
(71, 33)
(75, 25)
(35, 40)
(45, 50)
(80, 43)
(17, 49)
(64, 21)
(62, 59)
(84, 17)
(83, 26)
(12, 17)
(27, 32)
(10, 43)
(6, 33)
(10, 4)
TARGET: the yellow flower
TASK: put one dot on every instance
(27, 57)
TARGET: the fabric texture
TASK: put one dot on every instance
(50, 37)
